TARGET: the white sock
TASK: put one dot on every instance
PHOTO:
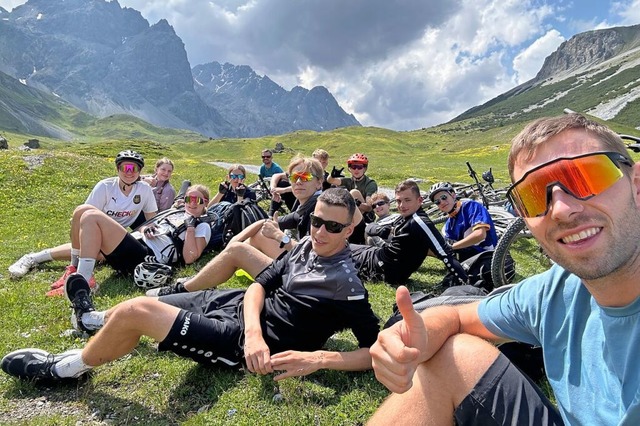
(71, 366)
(42, 256)
(75, 257)
(85, 267)
(93, 320)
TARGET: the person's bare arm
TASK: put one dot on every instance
(475, 237)
(297, 363)
(402, 347)
(256, 352)
(248, 232)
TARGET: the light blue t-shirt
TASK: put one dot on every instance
(591, 353)
(275, 168)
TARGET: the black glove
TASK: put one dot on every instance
(223, 187)
(240, 190)
(191, 221)
(337, 173)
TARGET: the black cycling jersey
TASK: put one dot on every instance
(408, 245)
(300, 218)
(308, 299)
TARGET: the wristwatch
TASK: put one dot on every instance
(285, 240)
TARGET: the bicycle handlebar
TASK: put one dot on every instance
(474, 175)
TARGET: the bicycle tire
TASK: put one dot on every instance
(502, 250)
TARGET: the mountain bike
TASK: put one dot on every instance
(518, 227)
(262, 188)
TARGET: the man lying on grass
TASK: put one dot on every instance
(279, 323)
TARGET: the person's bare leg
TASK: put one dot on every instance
(98, 232)
(61, 252)
(75, 224)
(222, 267)
(125, 324)
(266, 245)
(440, 384)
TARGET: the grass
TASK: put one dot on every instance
(157, 389)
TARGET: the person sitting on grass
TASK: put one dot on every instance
(414, 236)
(323, 157)
(269, 236)
(280, 323)
(578, 190)
(470, 231)
(362, 187)
(100, 235)
(378, 232)
(233, 190)
(159, 181)
(123, 198)
(469, 226)
(268, 167)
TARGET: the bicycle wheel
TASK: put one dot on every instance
(501, 253)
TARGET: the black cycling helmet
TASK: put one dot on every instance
(440, 186)
(129, 155)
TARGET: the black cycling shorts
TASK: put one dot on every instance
(129, 253)
(367, 262)
(505, 396)
(208, 329)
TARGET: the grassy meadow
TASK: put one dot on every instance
(39, 190)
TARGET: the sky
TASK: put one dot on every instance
(397, 64)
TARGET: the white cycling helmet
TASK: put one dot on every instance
(149, 275)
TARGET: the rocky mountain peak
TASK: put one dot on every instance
(588, 49)
(105, 60)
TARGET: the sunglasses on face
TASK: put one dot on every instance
(188, 199)
(236, 176)
(378, 204)
(583, 177)
(438, 200)
(331, 226)
(266, 156)
(356, 166)
(129, 168)
(301, 176)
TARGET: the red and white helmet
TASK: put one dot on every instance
(358, 158)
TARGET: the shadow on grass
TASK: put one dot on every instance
(83, 399)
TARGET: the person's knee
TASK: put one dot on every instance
(81, 210)
(131, 312)
(92, 216)
(356, 195)
(460, 363)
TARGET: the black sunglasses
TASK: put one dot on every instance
(331, 226)
(378, 204)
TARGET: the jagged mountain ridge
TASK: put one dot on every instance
(105, 60)
(257, 104)
(596, 72)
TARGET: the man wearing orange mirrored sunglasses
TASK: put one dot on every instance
(579, 191)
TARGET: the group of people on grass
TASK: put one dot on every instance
(578, 190)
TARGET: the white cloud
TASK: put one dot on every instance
(628, 11)
(401, 65)
(528, 62)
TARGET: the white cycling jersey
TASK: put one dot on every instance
(108, 197)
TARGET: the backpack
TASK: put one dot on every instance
(218, 213)
(231, 219)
